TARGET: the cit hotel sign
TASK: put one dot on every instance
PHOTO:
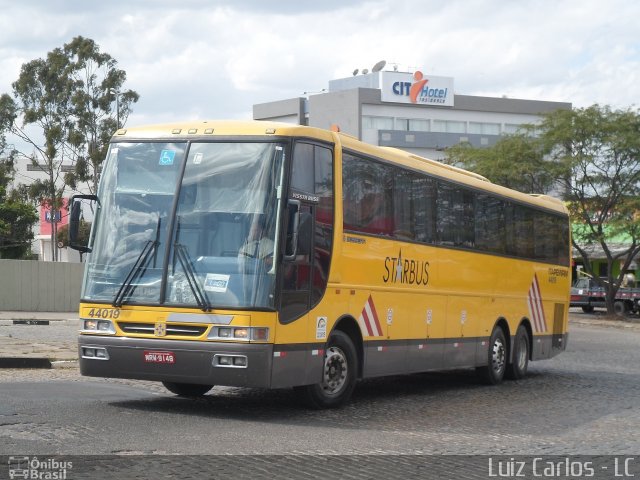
(417, 88)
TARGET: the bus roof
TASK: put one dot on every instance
(214, 128)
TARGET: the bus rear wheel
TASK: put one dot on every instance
(493, 372)
(339, 374)
(517, 369)
(187, 389)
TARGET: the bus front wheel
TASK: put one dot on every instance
(493, 372)
(187, 389)
(339, 374)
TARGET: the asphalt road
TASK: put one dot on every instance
(583, 402)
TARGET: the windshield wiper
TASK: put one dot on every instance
(198, 293)
(138, 268)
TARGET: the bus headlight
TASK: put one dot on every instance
(256, 334)
(242, 333)
(98, 326)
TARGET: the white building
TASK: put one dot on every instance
(418, 113)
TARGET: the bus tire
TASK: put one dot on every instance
(493, 372)
(517, 369)
(339, 374)
(587, 308)
(187, 389)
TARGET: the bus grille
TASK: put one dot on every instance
(149, 329)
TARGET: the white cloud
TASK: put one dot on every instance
(204, 59)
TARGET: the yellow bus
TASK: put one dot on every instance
(261, 254)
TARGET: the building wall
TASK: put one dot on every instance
(290, 111)
(355, 105)
(29, 285)
(43, 248)
(343, 108)
(503, 114)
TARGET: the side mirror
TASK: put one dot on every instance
(74, 222)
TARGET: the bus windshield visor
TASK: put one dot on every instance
(216, 250)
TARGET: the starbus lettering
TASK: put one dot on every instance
(405, 271)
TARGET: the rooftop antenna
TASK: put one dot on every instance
(365, 71)
(379, 66)
(355, 72)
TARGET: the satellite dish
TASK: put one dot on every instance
(355, 72)
(379, 66)
(365, 71)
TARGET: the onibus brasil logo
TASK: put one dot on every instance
(35, 468)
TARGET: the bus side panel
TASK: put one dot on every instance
(426, 328)
(465, 315)
(290, 354)
(381, 357)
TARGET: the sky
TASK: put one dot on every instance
(215, 59)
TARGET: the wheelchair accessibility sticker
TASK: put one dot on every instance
(167, 157)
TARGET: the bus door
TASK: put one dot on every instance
(306, 259)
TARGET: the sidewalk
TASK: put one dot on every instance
(38, 339)
(52, 341)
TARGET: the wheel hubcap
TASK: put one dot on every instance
(335, 371)
(498, 356)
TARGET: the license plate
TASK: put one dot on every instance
(159, 357)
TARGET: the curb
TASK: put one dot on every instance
(30, 322)
(36, 321)
(25, 362)
(594, 322)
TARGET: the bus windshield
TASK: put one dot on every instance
(216, 250)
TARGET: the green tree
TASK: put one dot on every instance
(62, 110)
(591, 156)
(98, 86)
(599, 150)
(515, 161)
(16, 217)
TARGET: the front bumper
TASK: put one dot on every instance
(194, 362)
